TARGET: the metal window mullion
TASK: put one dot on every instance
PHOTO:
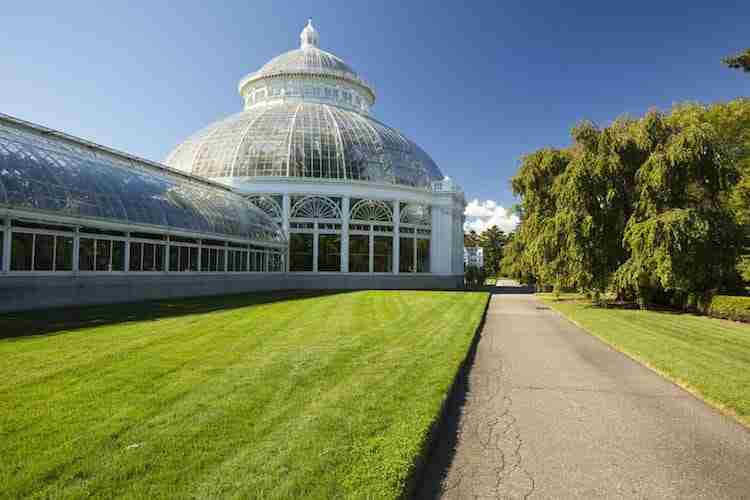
(54, 253)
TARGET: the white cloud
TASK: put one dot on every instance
(484, 214)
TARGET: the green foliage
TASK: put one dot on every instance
(655, 208)
(730, 307)
(305, 396)
(471, 239)
(492, 241)
(740, 61)
(475, 276)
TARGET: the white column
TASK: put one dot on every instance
(167, 251)
(286, 208)
(315, 249)
(76, 249)
(5, 264)
(345, 201)
(127, 252)
(438, 245)
(396, 235)
(371, 250)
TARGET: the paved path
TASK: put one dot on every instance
(549, 411)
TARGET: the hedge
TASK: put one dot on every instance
(730, 307)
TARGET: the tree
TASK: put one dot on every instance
(492, 241)
(656, 207)
(739, 61)
(471, 239)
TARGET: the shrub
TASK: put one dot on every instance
(730, 307)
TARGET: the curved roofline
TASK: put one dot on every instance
(142, 162)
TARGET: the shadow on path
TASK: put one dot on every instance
(444, 446)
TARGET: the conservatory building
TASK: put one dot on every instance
(301, 189)
(361, 204)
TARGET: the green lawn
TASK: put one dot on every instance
(317, 396)
(711, 357)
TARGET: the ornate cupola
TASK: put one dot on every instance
(309, 36)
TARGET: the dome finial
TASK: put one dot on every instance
(309, 36)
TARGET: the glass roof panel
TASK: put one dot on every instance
(41, 172)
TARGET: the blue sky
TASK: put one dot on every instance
(476, 84)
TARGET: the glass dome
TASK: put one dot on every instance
(306, 116)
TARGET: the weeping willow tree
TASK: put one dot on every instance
(654, 208)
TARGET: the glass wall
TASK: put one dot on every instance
(301, 252)
(383, 254)
(423, 255)
(146, 257)
(38, 251)
(329, 252)
(39, 247)
(406, 255)
(359, 253)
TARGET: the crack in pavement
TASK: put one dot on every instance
(487, 462)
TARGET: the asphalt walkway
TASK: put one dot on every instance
(548, 411)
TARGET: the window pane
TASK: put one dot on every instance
(86, 255)
(329, 252)
(148, 257)
(135, 256)
(184, 259)
(20, 252)
(359, 253)
(205, 254)
(300, 252)
(383, 258)
(102, 255)
(230, 260)
(118, 256)
(193, 263)
(406, 255)
(174, 258)
(423, 256)
(159, 251)
(64, 255)
(43, 252)
(2, 248)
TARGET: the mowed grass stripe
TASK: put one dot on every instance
(709, 356)
(321, 396)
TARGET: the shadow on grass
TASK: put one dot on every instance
(445, 441)
(52, 321)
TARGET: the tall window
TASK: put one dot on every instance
(101, 255)
(406, 255)
(359, 253)
(383, 254)
(145, 257)
(423, 255)
(329, 252)
(301, 252)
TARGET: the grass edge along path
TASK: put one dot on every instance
(324, 396)
(670, 356)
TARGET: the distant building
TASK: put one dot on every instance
(473, 256)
